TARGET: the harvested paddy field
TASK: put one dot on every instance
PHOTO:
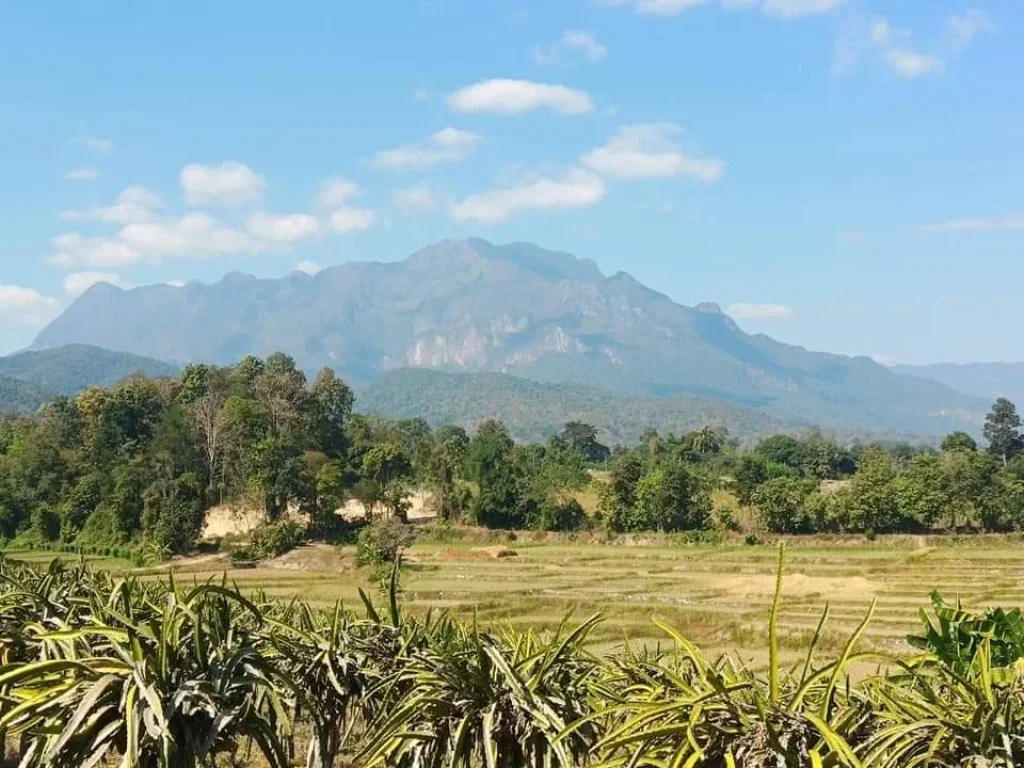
(717, 595)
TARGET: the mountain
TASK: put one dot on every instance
(29, 379)
(471, 306)
(534, 411)
(20, 396)
(986, 380)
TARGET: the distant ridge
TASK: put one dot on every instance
(474, 307)
(534, 411)
(987, 380)
(28, 379)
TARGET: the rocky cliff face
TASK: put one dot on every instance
(472, 306)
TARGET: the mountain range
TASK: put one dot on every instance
(29, 379)
(471, 306)
(986, 380)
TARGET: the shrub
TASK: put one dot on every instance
(274, 539)
(382, 542)
(555, 514)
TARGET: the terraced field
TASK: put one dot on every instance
(719, 596)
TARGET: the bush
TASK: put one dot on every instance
(274, 539)
(382, 542)
(556, 514)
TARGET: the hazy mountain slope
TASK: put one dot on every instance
(70, 369)
(470, 306)
(18, 396)
(987, 380)
(534, 411)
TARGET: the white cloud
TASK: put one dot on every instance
(658, 7)
(572, 40)
(1011, 223)
(194, 235)
(877, 37)
(176, 283)
(746, 311)
(449, 145)
(336, 192)
(965, 27)
(512, 97)
(853, 237)
(134, 204)
(78, 283)
(73, 250)
(95, 144)
(419, 197)
(229, 184)
(577, 189)
(282, 228)
(790, 9)
(345, 220)
(26, 306)
(647, 151)
(783, 8)
(82, 174)
(308, 267)
(909, 64)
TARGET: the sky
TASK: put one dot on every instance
(846, 175)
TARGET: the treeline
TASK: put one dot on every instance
(142, 462)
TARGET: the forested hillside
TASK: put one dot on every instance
(535, 411)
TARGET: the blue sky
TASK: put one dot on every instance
(845, 175)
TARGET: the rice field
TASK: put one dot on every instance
(717, 595)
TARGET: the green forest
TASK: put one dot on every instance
(139, 464)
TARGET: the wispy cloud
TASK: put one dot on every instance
(577, 188)
(230, 184)
(283, 228)
(105, 146)
(308, 267)
(572, 41)
(419, 197)
(134, 204)
(78, 283)
(783, 8)
(82, 174)
(26, 306)
(648, 150)
(963, 28)
(1010, 223)
(513, 97)
(449, 145)
(748, 311)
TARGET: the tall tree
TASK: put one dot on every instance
(1002, 430)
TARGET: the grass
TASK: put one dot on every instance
(718, 596)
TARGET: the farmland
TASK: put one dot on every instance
(718, 595)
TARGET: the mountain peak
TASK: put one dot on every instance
(552, 265)
(709, 308)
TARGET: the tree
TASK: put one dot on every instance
(750, 473)
(667, 498)
(332, 407)
(959, 441)
(782, 449)
(387, 465)
(1002, 430)
(582, 438)
(781, 504)
(445, 470)
(705, 440)
(871, 499)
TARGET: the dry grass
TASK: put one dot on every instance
(717, 595)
